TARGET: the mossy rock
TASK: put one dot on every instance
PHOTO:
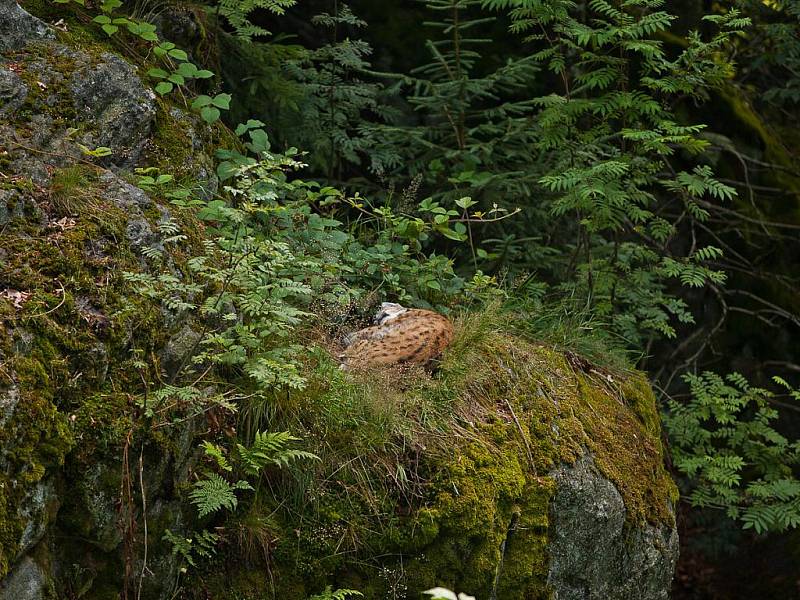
(72, 326)
(514, 472)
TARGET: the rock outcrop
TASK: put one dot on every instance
(594, 554)
(17, 27)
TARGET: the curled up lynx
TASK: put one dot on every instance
(400, 335)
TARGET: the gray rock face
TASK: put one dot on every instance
(112, 97)
(200, 165)
(12, 206)
(594, 555)
(37, 511)
(13, 91)
(17, 26)
(178, 348)
(9, 398)
(98, 502)
(133, 200)
(28, 581)
(79, 97)
(105, 100)
(123, 194)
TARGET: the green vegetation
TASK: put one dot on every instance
(723, 429)
(535, 170)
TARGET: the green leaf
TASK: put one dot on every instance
(187, 70)
(241, 128)
(450, 234)
(178, 54)
(259, 141)
(98, 152)
(109, 5)
(209, 114)
(164, 87)
(201, 101)
(465, 202)
(222, 101)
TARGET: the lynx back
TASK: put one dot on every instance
(401, 336)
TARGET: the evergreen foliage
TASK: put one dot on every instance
(339, 94)
(772, 54)
(593, 163)
(609, 137)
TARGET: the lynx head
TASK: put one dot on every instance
(388, 311)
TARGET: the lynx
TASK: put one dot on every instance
(400, 335)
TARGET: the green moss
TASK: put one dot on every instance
(67, 348)
(36, 438)
(45, 74)
(485, 525)
(170, 147)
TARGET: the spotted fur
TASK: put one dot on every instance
(401, 336)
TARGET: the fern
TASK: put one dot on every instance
(270, 448)
(237, 12)
(216, 452)
(724, 443)
(215, 493)
(330, 594)
(192, 549)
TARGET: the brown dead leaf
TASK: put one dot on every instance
(17, 298)
(63, 223)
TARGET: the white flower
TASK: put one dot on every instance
(445, 594)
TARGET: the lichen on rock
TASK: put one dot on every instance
(595, 554)
(110, 96)
(17, 26)
(28, 582)
(13, 92)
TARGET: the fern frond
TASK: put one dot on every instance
(215, 493)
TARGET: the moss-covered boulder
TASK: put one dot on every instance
(515, 471)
